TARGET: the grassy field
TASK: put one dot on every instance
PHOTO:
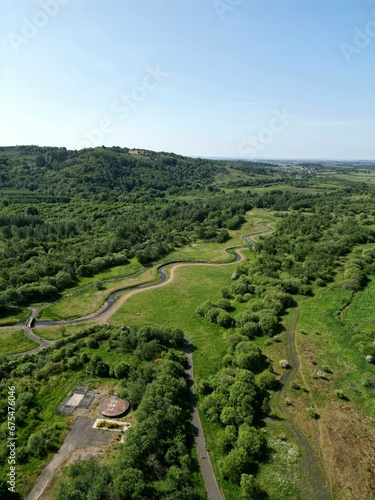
(14, 315)
(360, 315)
(233, 175)
(59, 332)
(356, 176)
(90, 299)
(175, 305)
(344, 427)
(113, 273)
(287, 188)
(335, 346)
(14, 341)
(217, 252)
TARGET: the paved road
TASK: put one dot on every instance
(28, 332)
(212, 488)
(81, 435)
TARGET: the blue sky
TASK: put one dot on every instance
(250, 78)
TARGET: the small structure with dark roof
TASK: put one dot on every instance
(114, 407)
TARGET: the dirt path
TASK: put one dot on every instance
(315, 476)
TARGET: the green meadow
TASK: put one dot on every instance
(360, 315)
(175, 305)
(113, 273)
(335, 347)
(14, 315)
(89, 300)
(14, 341)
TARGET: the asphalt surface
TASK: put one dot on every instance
(212, 488)
(81, 435)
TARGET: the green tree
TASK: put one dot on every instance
(249, 489)
(235, 464)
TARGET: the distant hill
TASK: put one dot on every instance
(49, 171)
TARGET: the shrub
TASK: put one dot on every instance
(97, 367)
(248, 356)
(267, 381)
(224, 304)
(212, 314)
(121, 370)
(225, 292)
(204, 387)
(269, 324)
(326, 369)
(74, 363)
(251, 440)
(369, 381)
(312, 412)
(203, 308)
(100, 285)
(41, 442)
(250, 329)
(224, 320)
(240, 288)
(92, 342)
